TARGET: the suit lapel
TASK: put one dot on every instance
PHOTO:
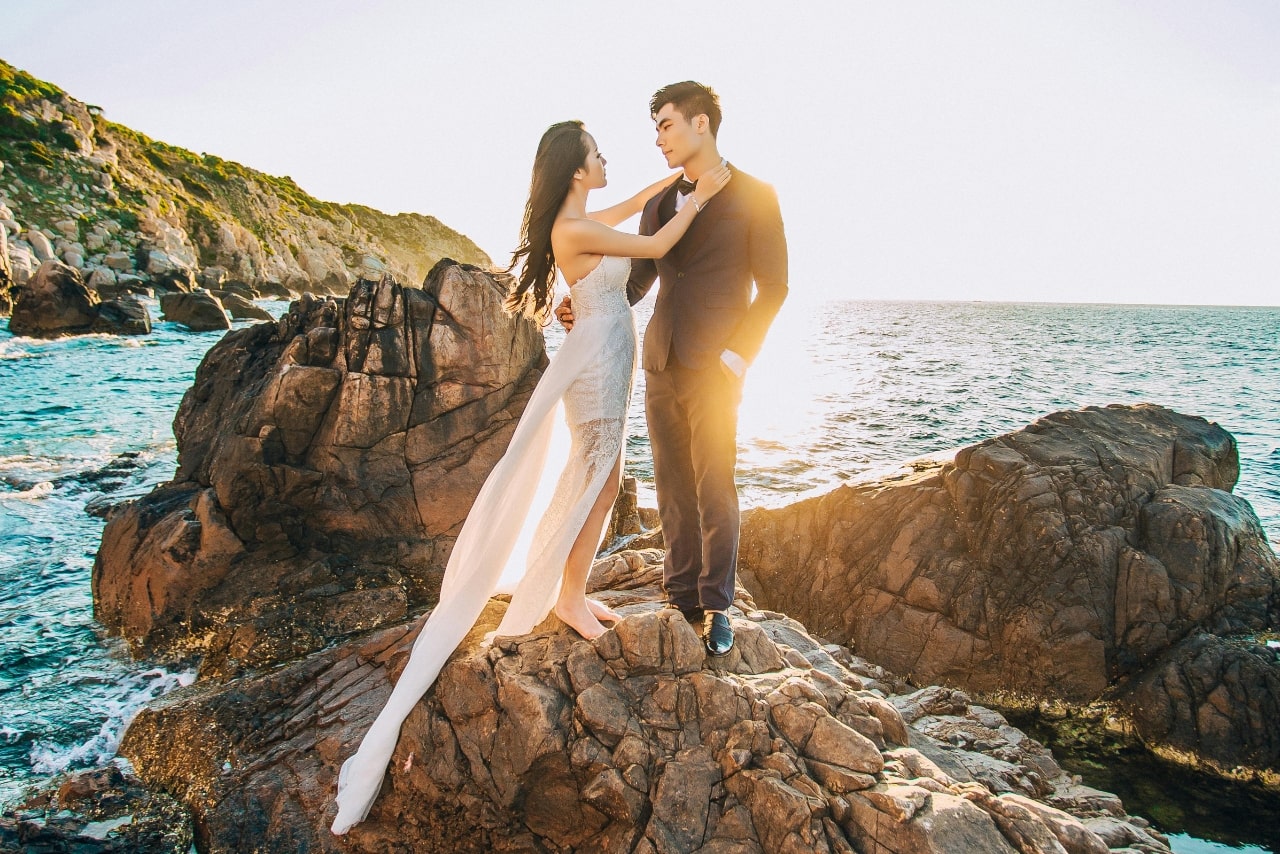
(702, 224)
(666, 206)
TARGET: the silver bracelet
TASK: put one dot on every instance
(696, 206)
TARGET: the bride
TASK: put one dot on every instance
(590, 379)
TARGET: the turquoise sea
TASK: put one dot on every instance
(842, 389)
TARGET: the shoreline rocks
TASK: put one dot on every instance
(325, 465)
(56, 302)
(103, 811)
(636, 741)
(1059, 561)
(106, 200)
(199, 312)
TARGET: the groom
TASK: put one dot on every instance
(706, 329)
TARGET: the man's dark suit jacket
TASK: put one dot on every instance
(705, 304)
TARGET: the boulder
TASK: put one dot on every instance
(242, 288)
(55, 302)
(1054, 560)
(199, 312)
(120, 261)
(636, 741)
(124, 316)
(211, 278)
(126, 284)
(269, 288)
(326, 464)
(103, 811)
(100, 278)
(241, 308)
(174, 280)
(41, 246)
(1213, 697)
(1060, 561)
(22, 263)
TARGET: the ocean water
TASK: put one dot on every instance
(842, 390)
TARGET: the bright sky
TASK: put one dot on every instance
(1047, 151)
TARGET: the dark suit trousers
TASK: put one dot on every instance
(693, 431)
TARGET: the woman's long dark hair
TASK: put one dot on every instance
(561, 152)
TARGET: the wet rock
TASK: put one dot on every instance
(125, 316)
(103, 811)
(199, 312)
(55, 302)
(1214, 697)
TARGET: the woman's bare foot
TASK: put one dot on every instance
(602, 612)
(579, 618)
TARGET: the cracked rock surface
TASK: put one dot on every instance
(636, 741)
(1096, 553)
(325, 465)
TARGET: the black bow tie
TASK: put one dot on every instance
(684, 187)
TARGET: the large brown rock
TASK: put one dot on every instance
(1217, 698)
(325, 465)
(125, 316)
(242, 308)
(633, 742)
(199, 312)
(1056, 561)
(55, 302)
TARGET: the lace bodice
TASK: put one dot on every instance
(603, 291)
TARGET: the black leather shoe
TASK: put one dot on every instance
(717, 634)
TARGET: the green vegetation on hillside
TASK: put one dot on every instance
(63, 160)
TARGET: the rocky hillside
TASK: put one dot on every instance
(130, 211)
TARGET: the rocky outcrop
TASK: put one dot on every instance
(1057, 561)
(6, 274)
(55, 302)
(240, 307)
(1215, 698)
(199, 312)
(103, 811)
(633, 742)
(325, 465)
(100, 197)
(125, 316)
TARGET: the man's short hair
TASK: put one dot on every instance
(690, 99)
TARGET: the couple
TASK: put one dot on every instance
(709, 235)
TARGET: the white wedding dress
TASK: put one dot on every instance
(589, 378)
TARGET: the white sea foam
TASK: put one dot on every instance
(14, 349)
(35, 493)
(119, 704)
